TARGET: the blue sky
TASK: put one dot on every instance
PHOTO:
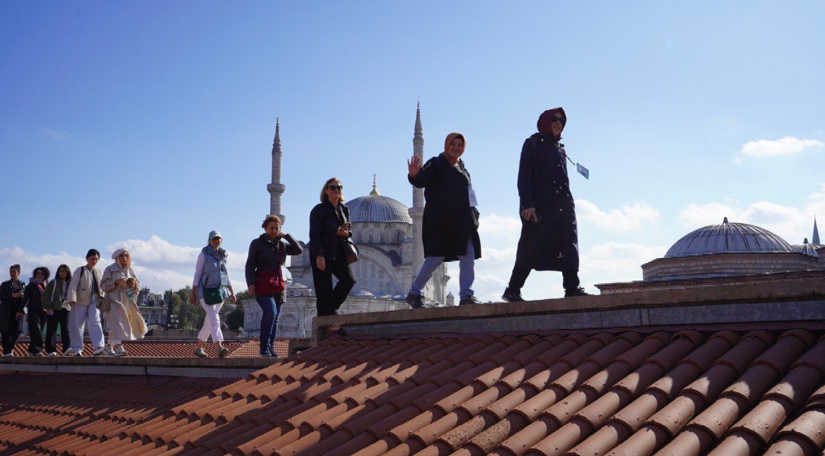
(147, 124)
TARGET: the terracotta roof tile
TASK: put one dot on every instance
(684, 391)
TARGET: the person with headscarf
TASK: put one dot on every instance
(549, 238)
(123, 315)
(11, 299)
(57, 310)
(450, 228)
(212, 287)
(35, 314)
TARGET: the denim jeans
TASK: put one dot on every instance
(271, 307)
(466, 275)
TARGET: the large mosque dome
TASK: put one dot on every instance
(377, 208)
(726, 250)
(728, 238)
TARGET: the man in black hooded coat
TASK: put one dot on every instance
(549, 238)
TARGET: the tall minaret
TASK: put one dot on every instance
(417, 209)
(815, 239)
(276, 188)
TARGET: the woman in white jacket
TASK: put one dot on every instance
(121, 286)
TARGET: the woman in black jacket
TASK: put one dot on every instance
(450, 218)
(11, 299)
(264, 277)
(33, 301)
(329, 228)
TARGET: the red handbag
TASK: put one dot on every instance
(269, 282)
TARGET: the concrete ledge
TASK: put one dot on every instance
(769, 298)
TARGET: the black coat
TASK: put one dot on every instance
(323, 229)
(8, 306)
(264, 255)
(552, 243)
(449, 220)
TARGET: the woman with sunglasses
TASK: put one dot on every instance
(11, 299)
(57, 310)
(122, 286)
(329, 228)
(33, 301)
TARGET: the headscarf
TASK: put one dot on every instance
(544, 123)
(450, 139)
(117, 252)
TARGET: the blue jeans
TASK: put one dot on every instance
(466, 275)
(271, 307)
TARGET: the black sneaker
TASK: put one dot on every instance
(415, 300)
(469, 300)
(512, 296)
(575, 292)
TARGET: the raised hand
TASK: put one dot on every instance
(413, 165)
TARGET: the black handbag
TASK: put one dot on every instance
(350, 250)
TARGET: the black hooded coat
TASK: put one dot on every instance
(551, 244)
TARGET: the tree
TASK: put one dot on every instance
(234, 319)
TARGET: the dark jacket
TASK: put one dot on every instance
(449, 220)
(8, 305)
(264, 255)
(552, 243)
(33, 298)
(323, 230)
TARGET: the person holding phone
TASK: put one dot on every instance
(450, 218)
(329, 228)
(11, 299)
(549, 238)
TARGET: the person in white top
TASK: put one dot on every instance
(212, 287)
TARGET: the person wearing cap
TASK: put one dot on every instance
(211, 273)
(83, 297)
(122, 286)
(549, 238)
(450, 218)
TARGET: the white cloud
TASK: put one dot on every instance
(627, 218)
(791, 223)
(56, 134)
(785, 146)
(499, 229)
(158, 264)
(616, 262)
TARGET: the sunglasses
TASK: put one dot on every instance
(557, 119)
(335, 187)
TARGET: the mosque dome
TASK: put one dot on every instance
(806, 249)
(377, 208)
(728, 238)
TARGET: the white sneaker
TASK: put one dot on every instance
(53, 354)
(80, 353)
(68, 352)
(107, 351)
(8, 355)
(120, 351)
(98, 351)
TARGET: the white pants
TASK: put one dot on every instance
(212, 322)
(78, 318)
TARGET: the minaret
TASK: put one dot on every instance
(276, 188)
(815, 238)
(417, 209)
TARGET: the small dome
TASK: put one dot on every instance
(376, 208)
(806, 249)
(728, 238)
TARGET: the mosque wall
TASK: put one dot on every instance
(728, 264)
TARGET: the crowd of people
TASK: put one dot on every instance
(73, 301)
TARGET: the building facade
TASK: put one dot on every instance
(388, 236)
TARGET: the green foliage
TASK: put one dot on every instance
(234, 318)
